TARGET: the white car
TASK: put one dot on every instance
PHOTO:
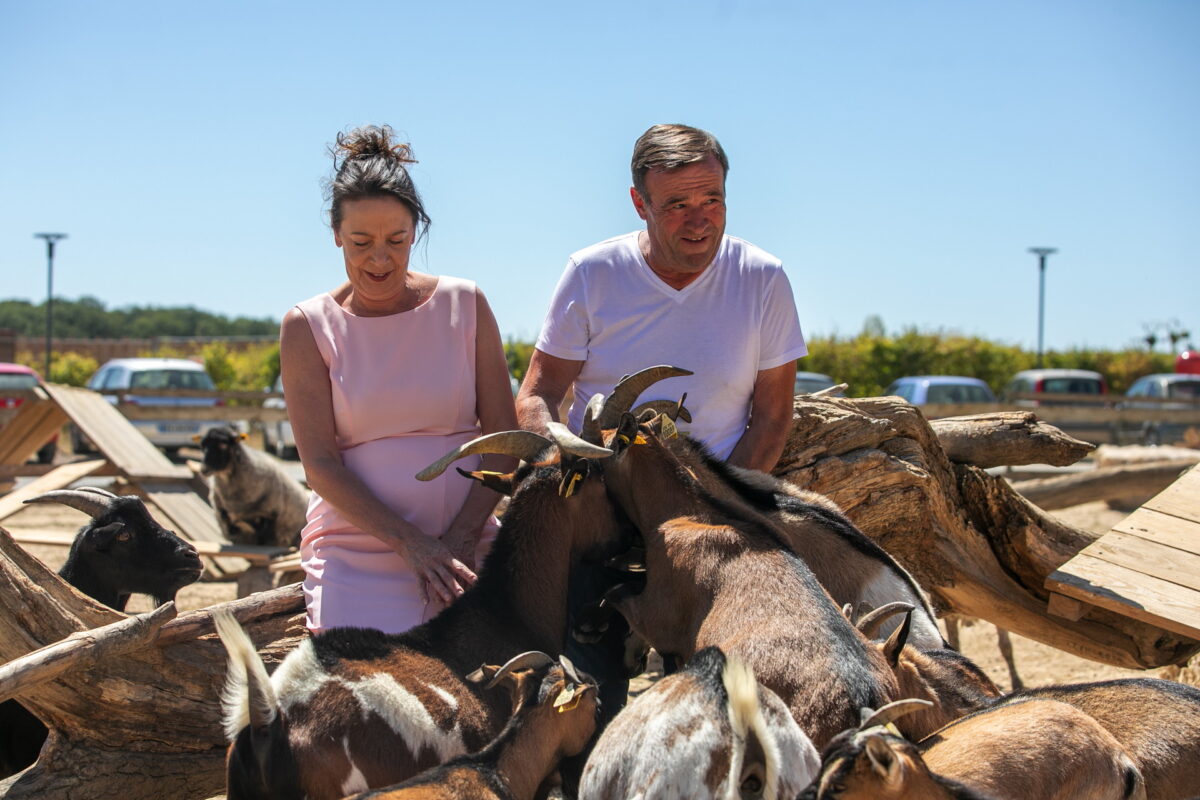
(277, 435)
(135, 381)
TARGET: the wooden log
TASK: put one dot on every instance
(1136, 481)
(139, 722)
(1008, 438)
(973, 543)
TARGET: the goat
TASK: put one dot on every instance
(555, 716)
(847, 563)
(121, 551)
(256, 501)
(1156, 721)
(1033, 749)
(719, 574)
(351, 709)
(709, 732)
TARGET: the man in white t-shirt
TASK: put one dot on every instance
(683, 293)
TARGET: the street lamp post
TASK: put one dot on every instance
(1041, 253)
(51, 239)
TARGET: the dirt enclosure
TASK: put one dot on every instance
(1036, 663)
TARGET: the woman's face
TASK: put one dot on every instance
(376, 236)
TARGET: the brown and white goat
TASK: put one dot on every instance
(1156, 721)
(555, 715)
(719, 575)
(352, 709)
(1034, 749)
(709, 732)
(848, 564)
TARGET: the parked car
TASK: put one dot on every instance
(277, 435)
(1056, 381)
(1157, 392)
(923, 390)
(135, 380)
(20, 377)
(809, 382)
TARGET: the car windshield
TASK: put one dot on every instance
(957, 393)
(1189, 390)
(1071, 386)
(171, 379)
(17, 380)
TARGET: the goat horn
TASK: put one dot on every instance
(570, 443)
(590, 432)
(628, 388)
(672, 409)
(92, 502)
(528, 660)
(524, 445)
(868, 626)
(569, 669)
(892, 712)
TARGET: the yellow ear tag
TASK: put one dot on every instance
(669, 430)
(640, 439)
(569, 488)
(567, 699)
(488, 472)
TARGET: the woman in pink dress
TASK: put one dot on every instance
(384, 375)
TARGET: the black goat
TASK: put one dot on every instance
(121, 551)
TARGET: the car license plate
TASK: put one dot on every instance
(178, 427)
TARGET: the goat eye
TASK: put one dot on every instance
(124, 536)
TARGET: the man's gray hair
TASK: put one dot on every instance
(670, 147)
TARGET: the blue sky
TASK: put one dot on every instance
(900, 157)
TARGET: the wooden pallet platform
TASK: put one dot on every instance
(1147, 567)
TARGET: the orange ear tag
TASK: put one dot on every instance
(640, 439)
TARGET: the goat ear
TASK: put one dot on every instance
(484, 674)
(884, 761)
(101, 539)
(625, 435)
(501, 482)
(895, 643)
(243, 437)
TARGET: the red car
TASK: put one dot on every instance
(19, 376)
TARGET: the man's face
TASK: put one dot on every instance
(684, 209)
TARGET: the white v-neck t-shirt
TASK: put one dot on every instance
(613, 313)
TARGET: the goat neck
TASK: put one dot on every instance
(646, 479)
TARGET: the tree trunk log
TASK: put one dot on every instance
(1134, 482)
(973, 543)
(1007, 438)
(130, 722)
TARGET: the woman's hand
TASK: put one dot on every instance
(462, 544)
(440, 572)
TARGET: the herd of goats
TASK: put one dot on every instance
(802, 660)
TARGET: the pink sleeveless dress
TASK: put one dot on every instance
(403, 396)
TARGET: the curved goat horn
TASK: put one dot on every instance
(569, 670)
(531, 659)
(570, 443)
(89, 500)
(628, 388)
(524, 445)
(590, 432)
(868, 626)
(891, 712)
(671, 408)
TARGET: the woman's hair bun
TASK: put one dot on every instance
(369, 141)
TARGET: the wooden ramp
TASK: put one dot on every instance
(172, 488)
(1147, 567)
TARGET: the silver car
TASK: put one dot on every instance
(136, 381)
(1163, 391)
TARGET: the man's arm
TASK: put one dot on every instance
(542, 391)
(770, 419)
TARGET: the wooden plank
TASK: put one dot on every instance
(1148, 557)
(1099, 583)
(59, 478)
(113, 435)
(1165, 529)
(1181, 498)
(30, 428)
(1066, 607)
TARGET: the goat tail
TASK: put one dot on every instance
(248, 698)
(745, 715)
